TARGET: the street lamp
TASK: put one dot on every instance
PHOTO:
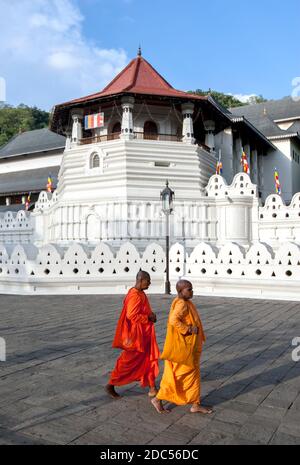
(167, 196)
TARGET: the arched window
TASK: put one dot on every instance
(150, 130)
(95, 161)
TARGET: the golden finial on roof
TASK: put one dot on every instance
(139, 51)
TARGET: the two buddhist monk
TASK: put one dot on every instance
(135, 334)
(180, 383)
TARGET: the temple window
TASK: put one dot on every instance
(95, 161)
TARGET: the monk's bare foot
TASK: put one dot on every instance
(197, 408)
(152, 392)
(157, 404)
(110, 390)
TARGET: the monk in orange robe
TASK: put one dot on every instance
(135, 334)
(180, 383)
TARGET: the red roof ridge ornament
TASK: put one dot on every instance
(139, 53)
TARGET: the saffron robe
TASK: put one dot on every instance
(135, 334)
(180, 383)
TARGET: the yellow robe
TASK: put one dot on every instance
(180, 383)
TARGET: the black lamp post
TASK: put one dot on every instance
(167, 196)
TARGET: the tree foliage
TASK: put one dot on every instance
(227, 100)
(19, 119)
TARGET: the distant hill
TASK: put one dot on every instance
(21, 118)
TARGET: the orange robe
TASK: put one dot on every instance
(180, 383)
(136, 335)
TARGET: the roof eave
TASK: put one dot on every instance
(30, 153)
(285, 136)
(242, 119)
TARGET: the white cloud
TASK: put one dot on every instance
(46, 58)
(245, 98)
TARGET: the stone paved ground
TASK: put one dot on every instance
(59, 356)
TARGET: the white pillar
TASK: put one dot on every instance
(127, 121)
(68, 141)
(210, 127)
(187, 125)
(77, 116)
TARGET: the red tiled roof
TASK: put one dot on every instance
(138, 77)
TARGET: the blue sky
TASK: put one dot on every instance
(55, 50)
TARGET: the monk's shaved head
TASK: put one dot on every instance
(182, 283)
(142, 275)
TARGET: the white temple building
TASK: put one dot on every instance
(104, 221)
(111, 176)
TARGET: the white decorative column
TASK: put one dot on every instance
(68, 140)
(187, 124)
(127, 121)
(77, 116)
(210, 127)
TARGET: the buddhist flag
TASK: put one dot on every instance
(244, 163)
(94, 121)
(277, 183)
(49, 184)
(27, 202)
(219, 166)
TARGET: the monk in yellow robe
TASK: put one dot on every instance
(180, 383)
(135, 334)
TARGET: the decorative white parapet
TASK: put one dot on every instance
(229, 270)
(278, 222)
(16, 227)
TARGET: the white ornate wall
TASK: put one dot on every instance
(225, 242)
(229, 270)
(222, 213)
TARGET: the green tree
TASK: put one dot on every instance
(19, 119)
(228, 101)
(257, 99)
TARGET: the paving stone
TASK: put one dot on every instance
(269, 411)
(280, 438)
(164, 438)
(232, 416)
(209, 438)
(258, 430)
(60, 357)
